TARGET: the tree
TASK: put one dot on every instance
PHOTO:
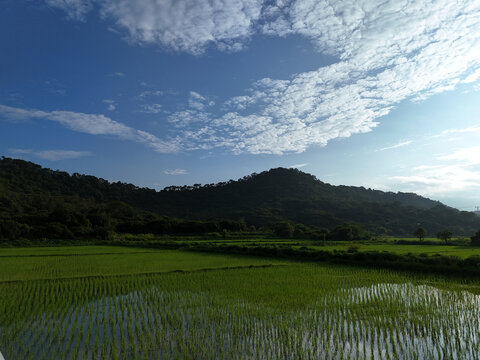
(476, 239)
(420, 233)
(445, 235)
(284, 229)
(323, 233)
(349, 232)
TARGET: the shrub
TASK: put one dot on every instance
(476, 239)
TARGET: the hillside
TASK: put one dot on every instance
(258, 199)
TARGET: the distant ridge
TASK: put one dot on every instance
(259, 199)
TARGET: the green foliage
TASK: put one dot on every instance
(420, 233)
(476, 239)
(34, 201)
(284, 229)
(445, 235)
(349, 232)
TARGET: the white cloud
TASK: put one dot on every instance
(93, 124)
(148, 93)
(239, 102)
(185, 25)
(465, 156)
(456, 172)
(52, 155)
(442, 180)
(152, 108)
(198, 102)
(75, 9)
(470, 129)
(55, 155)
(387, 52)
(401, 144)
(175, 172)
(112, 105)
(181, 25)
(20, 151)
(473, 77)
(298, 166)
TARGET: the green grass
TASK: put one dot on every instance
(66, 250)
(71, 261)
(297, 310)
(460, 251)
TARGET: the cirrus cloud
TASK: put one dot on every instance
(93, 124)
(52, 155)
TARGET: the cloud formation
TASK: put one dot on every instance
(93, 124)
(471, 129)
(400, 144)
(52, 155)
(298, 166)
(175, 172)
(112, 105)
(185, 25)
(75, 9)
(456, 171)
(198, 102)
(151, 108)
(387, 52)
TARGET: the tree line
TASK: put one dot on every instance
(36, 202)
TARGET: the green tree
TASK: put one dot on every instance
(475, 239)
(420, 233)
(445, 235)
(322, 233)
(348, 232)
(284, 229)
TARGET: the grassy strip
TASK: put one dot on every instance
(145, 273)
(437, 264)
(64, 254)
(440, 264)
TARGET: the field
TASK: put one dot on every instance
(460, 251)
(125, 303)
(72, 262)
(439, 248)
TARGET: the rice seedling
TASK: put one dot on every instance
(298, 311)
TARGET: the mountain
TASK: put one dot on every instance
(258, 199)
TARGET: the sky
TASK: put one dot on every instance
(380, 94)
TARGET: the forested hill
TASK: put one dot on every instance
(260, 199)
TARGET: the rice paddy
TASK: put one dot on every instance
(242, 308)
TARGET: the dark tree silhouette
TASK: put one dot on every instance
(476, 239)
(35, 201)
(444, 235)
(420, 233)
(284, 229)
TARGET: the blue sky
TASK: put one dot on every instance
(381, 94)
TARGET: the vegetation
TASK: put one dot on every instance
(298, 310)
(420, 233)
(40, 203)
(255, 268)
(445, 235)
(476, 239)
(93, 261)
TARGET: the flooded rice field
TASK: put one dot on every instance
(379, 321)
